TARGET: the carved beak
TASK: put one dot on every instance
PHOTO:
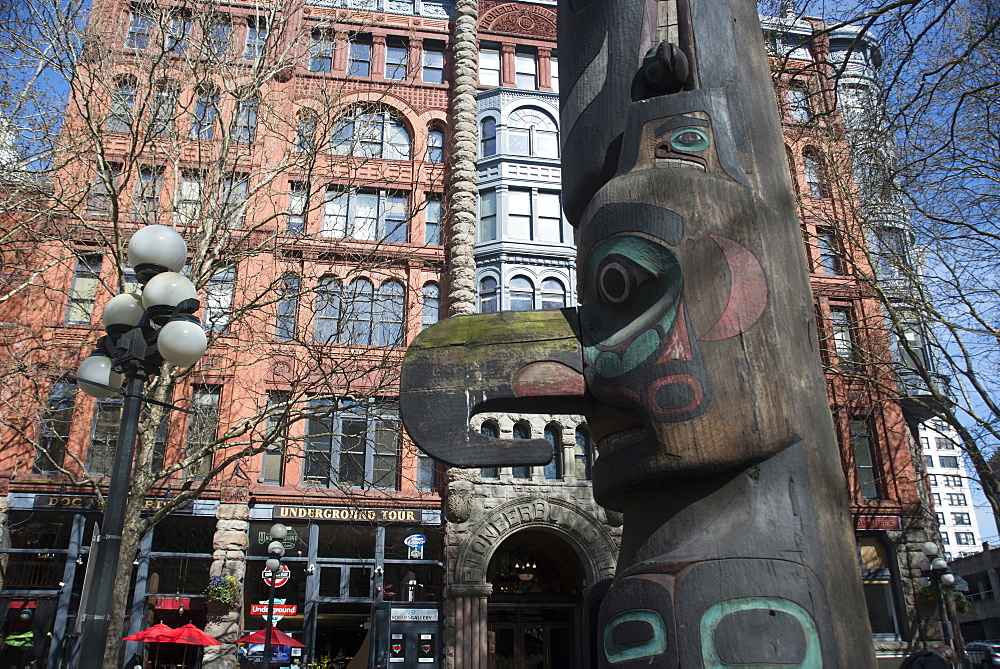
(512, 361)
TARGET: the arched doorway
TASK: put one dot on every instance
(534, 614)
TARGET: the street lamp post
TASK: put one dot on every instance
(276, 550)
(940, 577)
(143, 331)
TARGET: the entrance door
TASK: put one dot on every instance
(531, 646)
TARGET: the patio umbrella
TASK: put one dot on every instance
(158, 633)
(189, 635)
(192, 636)
(278, 638)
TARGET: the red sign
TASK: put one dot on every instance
(877, 523)
(279, 609)
(282, 578)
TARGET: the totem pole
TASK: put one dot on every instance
(693, 353)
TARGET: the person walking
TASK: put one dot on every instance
(941, 657)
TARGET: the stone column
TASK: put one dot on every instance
(468, 610)
(228, 557)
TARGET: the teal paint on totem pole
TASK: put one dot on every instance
(712, 618)
(651, 646)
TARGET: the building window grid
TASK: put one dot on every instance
(140, 27)
(164, 104)
(435, 145)
(489, 65)
(189, 197)
(798, 104)
(374, 215)
(430, 312)
(352, 445)
(122, 110)
(830, 260)
(359, 56)
(965, 538)
(582, 454)
(206, 109)
(55, 428)
(358, 314)
(957, 499)
(298, 202)
(489, 297)
(433, 63)
(178, 32)
(288, 307)
(246, 120)
(218, 303)
(525, 69)
(256, 38)
(371, 134)
(273, 457)
(104, 436)
(553, 470)
(203, 429)
(217, 37)
(83, 291)
(865, 462)
(842, 325)
(397, 56)
(103, 191)
(521, 430)
(488, 137)
(432, 222)
(321, 51)
(961, 518)
(490, 429)
(948, 461)
(936, 498)
(944, 444)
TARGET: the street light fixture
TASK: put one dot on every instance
(143, 330)
(940, 577)
(276, 550)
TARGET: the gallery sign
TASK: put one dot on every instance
(414, 615)
(87, 503)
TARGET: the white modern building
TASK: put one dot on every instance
(951, 491)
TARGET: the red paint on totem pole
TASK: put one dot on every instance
(547, 379)
(747, 292)
(679, 345)
(697, 392)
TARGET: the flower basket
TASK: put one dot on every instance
(225, 590)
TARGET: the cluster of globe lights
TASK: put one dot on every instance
(164, 310)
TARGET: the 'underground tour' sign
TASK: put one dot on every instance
(341, 513)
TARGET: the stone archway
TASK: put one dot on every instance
(467, 610)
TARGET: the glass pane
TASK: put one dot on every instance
(329, 582)
(360, 582)
(365, 216)
(518, 142)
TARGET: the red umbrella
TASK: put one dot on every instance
(278, 638)
(191, 635)
(158, 633)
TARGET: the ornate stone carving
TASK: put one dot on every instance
(517, 19)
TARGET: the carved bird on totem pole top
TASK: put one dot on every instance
(693, 352)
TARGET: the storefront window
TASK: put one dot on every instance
(879, 587)
(346, 540)
(296, 543)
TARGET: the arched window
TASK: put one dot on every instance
(326, 323)
(553, 435)
(389, 330)
(791, 168)
(122, 110)
(305, 132)
(553, 294)
(532, 132)
(581, 454)
(488, 297)
(366, 133)
(435, 145)
(521, 431)
(288, 307)
(490, 428)
(356, 320)
(815, 172)
(488, 137)
(522, 294)
(431, 305)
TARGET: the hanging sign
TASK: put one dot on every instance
(283, 574)
(280, 610)
(415, 542)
